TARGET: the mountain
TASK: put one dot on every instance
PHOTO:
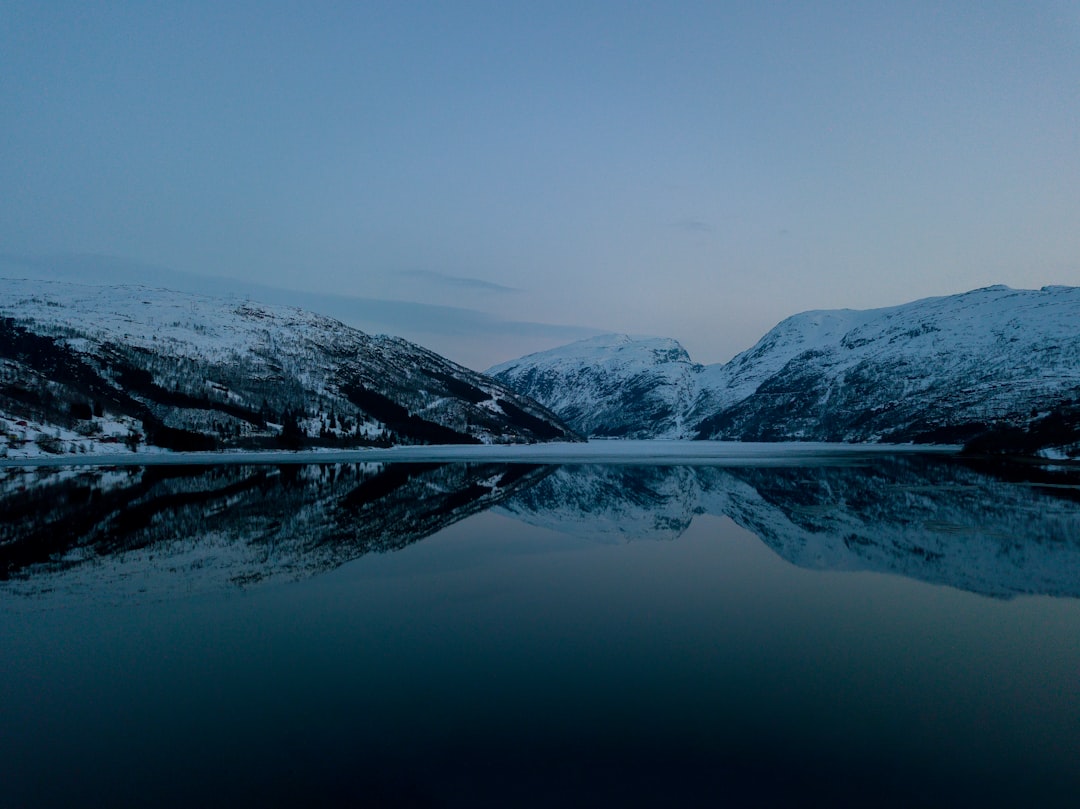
(612, 385)
(89, 368)
(944, 370)
(940, 369)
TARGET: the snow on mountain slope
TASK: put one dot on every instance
(190, 372)
(722, 385)
(613, 385)
(940, 369)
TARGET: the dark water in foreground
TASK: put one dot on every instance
(903, 633)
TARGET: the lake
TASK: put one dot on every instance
(885, 630)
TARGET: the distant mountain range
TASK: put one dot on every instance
(92, 369)
(122, 368)
(997, 367)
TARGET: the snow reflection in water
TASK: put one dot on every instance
(163, 528)
(165, 640)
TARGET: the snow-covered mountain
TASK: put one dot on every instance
(82, 367)
(943, 370)
(937, 369)
(613, 385)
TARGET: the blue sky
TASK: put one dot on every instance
(512, 175)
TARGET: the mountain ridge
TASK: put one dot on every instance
(86, 366)
(606, 382)
(943, 369)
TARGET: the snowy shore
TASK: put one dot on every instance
(656, 452)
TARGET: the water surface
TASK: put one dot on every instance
(902, 631)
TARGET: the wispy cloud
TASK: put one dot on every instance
(471, 336)
(88, 267)
(691, 225)
(458, 281)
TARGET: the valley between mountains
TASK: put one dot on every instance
(112, 369)
(995, 368)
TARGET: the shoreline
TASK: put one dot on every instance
(648, 452)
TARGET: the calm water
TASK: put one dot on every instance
(901, 633)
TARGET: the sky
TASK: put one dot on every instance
(496, 178)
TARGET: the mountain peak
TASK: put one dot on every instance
(611, 385)
(604, 349)
(84, 366)
(936, 369)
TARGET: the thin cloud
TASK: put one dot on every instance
(690, 225)
(458, 281)
(446, 329)
(85, 267)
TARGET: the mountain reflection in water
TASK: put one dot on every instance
(999, 531)
(151, 531)
(539, 647)
(158, 529)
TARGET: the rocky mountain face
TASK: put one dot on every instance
(942, 370)
(87, 369)
(611, 386)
